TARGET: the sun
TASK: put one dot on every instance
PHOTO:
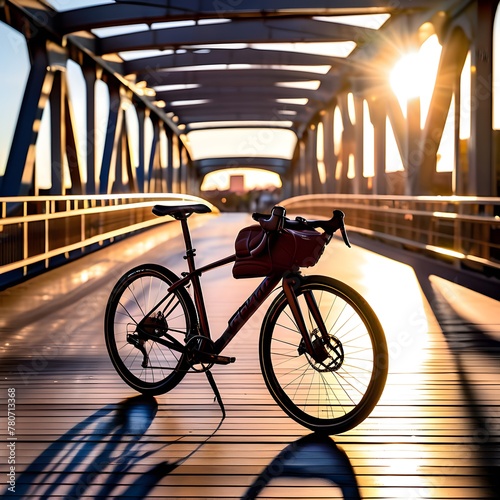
(406, 76)
(414, 75)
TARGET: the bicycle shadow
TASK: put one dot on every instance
(100, 455)
(314, 456)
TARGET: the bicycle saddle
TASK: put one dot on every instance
(181, 211)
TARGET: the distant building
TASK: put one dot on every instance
(237, 183)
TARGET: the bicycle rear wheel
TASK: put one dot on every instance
(338, 393)
(141, 297)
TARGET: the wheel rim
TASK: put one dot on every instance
(134, 300)
(331, 392)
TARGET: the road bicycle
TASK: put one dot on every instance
(322, 350)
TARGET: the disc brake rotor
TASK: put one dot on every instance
(332, 353)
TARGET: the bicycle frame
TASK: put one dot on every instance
(247, 309)
(322, 350)
(244, 312)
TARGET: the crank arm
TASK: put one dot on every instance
(217, 359)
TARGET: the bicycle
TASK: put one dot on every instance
(322, 349)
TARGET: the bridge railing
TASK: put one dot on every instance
(464, 229)
(39, 232)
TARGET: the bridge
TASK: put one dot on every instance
(385, 110)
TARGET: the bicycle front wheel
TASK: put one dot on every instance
(141, 303)
(337, 393)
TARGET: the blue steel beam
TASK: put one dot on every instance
(19, 172)
(110, 144)
(89, 73)
(57, 135)
(72, 153)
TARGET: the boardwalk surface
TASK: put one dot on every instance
(82, 433)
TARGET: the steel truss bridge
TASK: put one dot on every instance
(317, 71)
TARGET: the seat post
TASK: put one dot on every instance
(195, 278)
(190, 252)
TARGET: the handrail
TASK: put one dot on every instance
(465, 229)
(38, 232)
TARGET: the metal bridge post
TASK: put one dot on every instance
(170, 169)
(316, 184)
(89, 74)
(359, 179)
(19, 172)
(141, 178)
(451, 63)
(58, 134)
(378, 119)
(482, 180)
(110, 144)
(328, 150)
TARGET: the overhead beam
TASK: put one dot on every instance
(258, 30)
(302, 116)
(129, 11)
(232, 77)
(278, 123)
(252, 92)
(237, 116)
(207, 165)
(150, 65)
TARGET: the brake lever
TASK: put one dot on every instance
(340, 215)
(344, 235)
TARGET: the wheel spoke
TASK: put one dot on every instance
(334, 389)
(143, 291)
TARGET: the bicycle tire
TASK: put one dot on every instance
(325, 398)
(135, 294)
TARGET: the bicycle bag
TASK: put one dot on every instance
(261, 254)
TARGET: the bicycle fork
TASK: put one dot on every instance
(315, 343)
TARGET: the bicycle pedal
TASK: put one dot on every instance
(225, 360)
(216, 359)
